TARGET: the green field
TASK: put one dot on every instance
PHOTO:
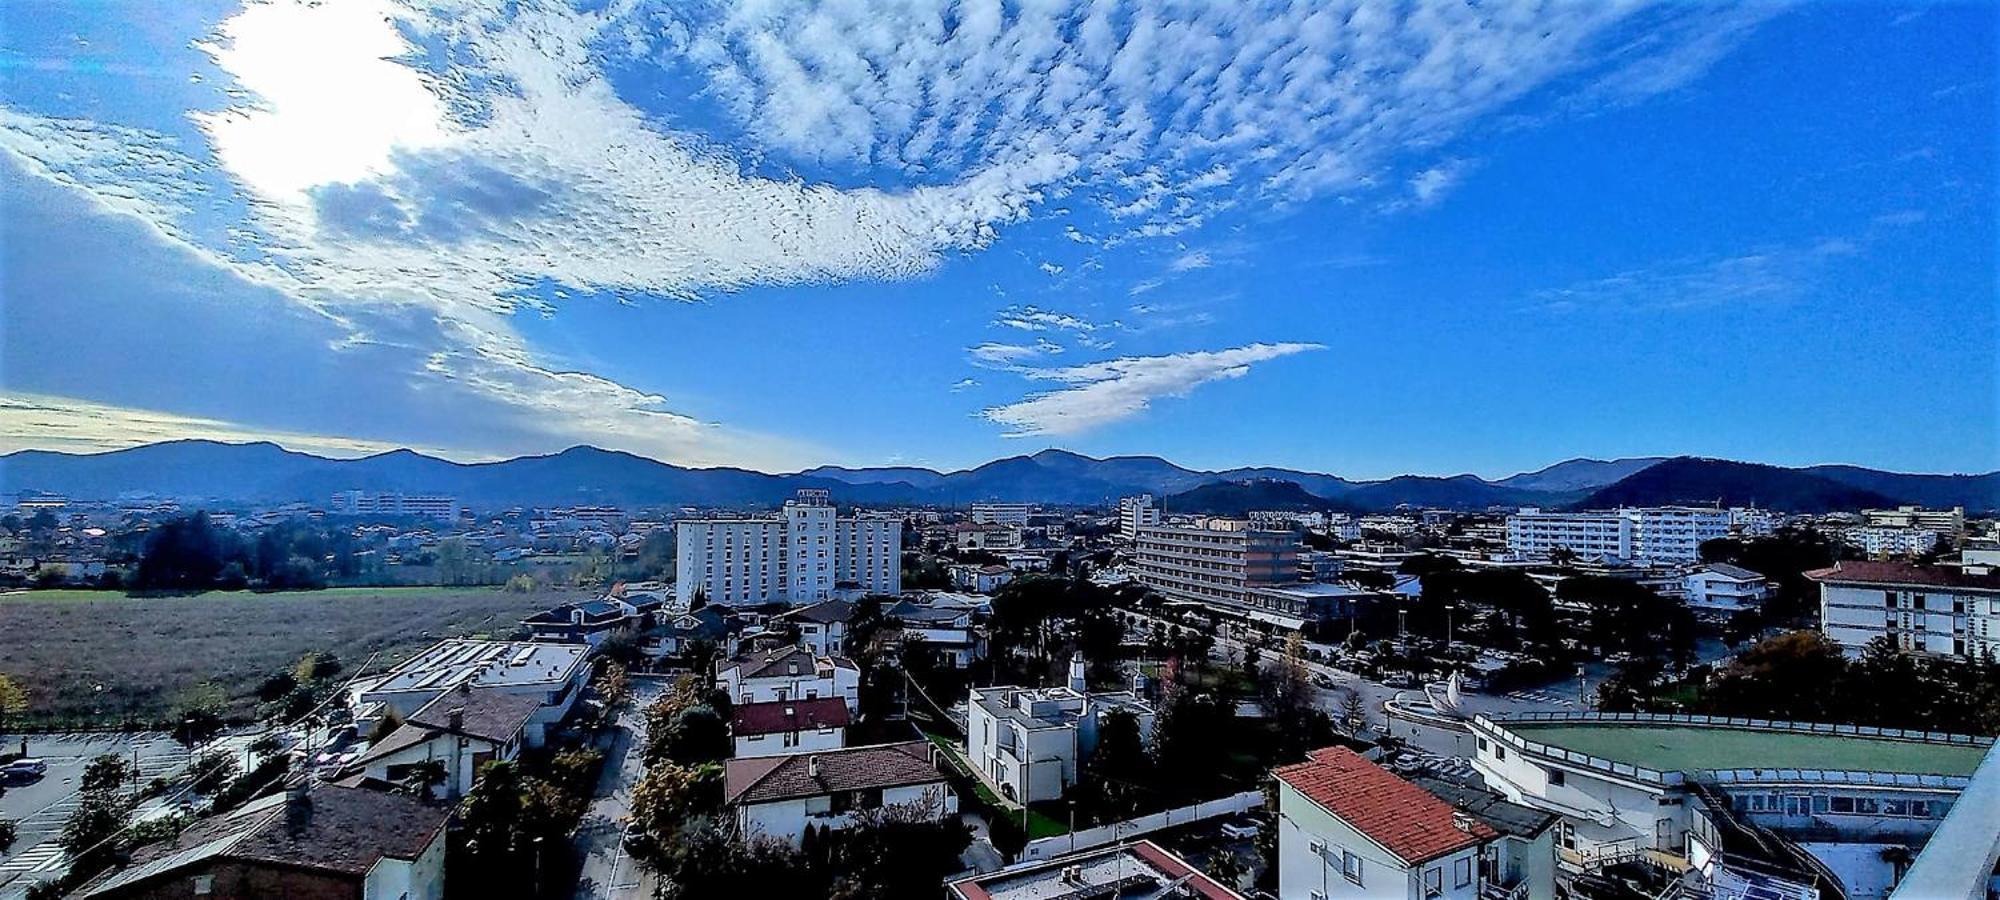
(1691, 748)
(100, 657)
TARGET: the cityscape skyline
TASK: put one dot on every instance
(1490, 242)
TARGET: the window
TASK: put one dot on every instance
(791, 738)
(1555, 777)
(204, 884)
(1462, 872)
(1433, 881)
(1350, 866)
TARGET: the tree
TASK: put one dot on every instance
(1353, 710)
(13, 702)
(198, 713)
(1188, 739)
(106, 772)
(895, 853)
(90, 835)
(697, 735)
(210, 771)
(1120, 770)
(669, 796)
(8, 829)
(712, 860)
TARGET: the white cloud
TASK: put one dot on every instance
(1189, 261)
(1049, 268)
(1144, 285)
(43, 422)
(1767, 275)
(1429, 187)
(1165, 112)
(964, 384)
(1100, 393)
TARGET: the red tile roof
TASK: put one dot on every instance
(788, 715)
(1857, 571)
(1404, 819)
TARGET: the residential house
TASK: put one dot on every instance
(588, 622)
(789, 673)
(1522, 862)
(779, 796)
(1349, 828)
(978, 578)
(677, 636)
(944, 629)
(1723, 588)
(459, 732)
(1139, 869)
(1031, 743)
(324, 841)
(785, 727)
(823, 626)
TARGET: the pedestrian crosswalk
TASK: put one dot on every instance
(45, 857)
(1541, 697)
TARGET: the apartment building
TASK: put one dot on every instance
(389, 503)
(1218, 565)
(1933, 610)
(1889, 541)
(999, 513)
(1135, 513)
(1667, 534)
(795, 557)
(1943, 521)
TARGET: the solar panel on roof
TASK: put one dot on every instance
(430, 679)
(521, 658)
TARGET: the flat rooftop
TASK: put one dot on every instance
(1688, 748)
(448, 664)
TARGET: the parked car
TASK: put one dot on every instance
(1239, 830)
(29, 766)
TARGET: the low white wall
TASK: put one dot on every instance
(1087, 838)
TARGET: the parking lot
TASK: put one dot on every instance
(42, 805)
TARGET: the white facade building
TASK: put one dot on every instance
(1932, 610)
(789, 727)
(1943, 521)
(788, 673)
(1886, 541)
(389, 503)
(999, 513)
(1348, 828)
(1720, 587)
(1135, 513)
(777, 797)
(797, 557)
(1666, 534)
(1030, 743)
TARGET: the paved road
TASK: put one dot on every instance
(607, 873)
(41, 808)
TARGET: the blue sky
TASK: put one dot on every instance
(1353, 237)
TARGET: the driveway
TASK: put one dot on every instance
(607, 873)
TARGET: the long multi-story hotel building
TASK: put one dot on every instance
(390, 503)
(1665, 534)
(1932, 610)
(999, 513)
(1218, 566)
(799, 556)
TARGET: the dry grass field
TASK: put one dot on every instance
(100, 657)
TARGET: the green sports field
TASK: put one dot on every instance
(1690, 748)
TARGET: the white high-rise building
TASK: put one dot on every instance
(1664, 534)
(1933, 610)
(1943, 521)
(389, 503)
(799, 556)
(1135, 513)
(999, 513)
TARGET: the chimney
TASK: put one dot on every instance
(298, 809)
(1077, 681)
(1461, 821)
(812, 767)
(455, 720)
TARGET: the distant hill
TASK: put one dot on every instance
(260, 472)
(1234, 498)
(1579, 474)
(1977, 493)
(1695, 481)
(1455, 492)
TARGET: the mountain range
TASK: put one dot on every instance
(264, 472)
